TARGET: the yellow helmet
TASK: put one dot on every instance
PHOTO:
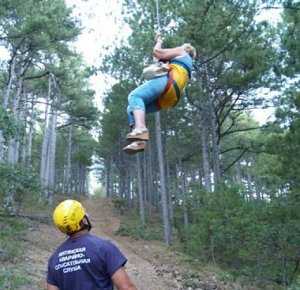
(68, 215)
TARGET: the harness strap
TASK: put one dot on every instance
(182, 64)
(169, 84)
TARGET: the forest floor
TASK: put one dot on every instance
(151, 265)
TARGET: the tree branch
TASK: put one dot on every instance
(232, 149)
(37, 76)
(243, 130)
(236, 160)
(222, 50)
(282, 7)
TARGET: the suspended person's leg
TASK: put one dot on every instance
(140, 145)
(141, 101)
(138, 100)
(152, 107)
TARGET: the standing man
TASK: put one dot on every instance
(84, 261)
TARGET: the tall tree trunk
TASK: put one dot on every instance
(127, 184)
(140, 189)
(184, 198)
(108, 177)
(47, 174)
(30, 135)
(13, 143)
(205, 156)
(180, 171)
(150, 177)
(163, 189)
(69, 162)
(238, 173)
(24, 118)
(170, 192)
(44, 153)
(215, 146)
(145, 177)
(52, 154)
(12, 76)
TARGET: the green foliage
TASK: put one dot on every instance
(255, 238)
(98, 192)
(44, 25)
(18, 182)
(290, 36)
(119, 204)
(11, 278)
(11, 230)
(8, 124)
(85, 147)
(11, 250)
(131, 227)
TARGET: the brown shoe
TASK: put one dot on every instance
(135, 147)
(138, 134)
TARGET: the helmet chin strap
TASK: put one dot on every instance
(89, 225)
(85, 225)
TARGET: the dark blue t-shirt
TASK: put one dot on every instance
(84, 263)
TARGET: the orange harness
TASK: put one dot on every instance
(177, 80)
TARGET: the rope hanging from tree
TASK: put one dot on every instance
(157, 15)
(158, 68)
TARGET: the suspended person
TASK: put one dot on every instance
(161, 92)
(84, 261)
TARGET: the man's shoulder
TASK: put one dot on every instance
(58, 250)
(101, 242)
(90, 240)
(103, 245)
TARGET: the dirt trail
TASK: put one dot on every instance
(43, 239)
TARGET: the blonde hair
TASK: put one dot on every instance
(190, 50)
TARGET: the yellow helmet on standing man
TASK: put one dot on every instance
(68, 216)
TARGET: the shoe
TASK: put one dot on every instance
(138, 134)
(135, 147)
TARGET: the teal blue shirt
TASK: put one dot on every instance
(185, 61)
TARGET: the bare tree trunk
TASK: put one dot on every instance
(45, 137)
(12, 76)
(131, 182)
(52, 153)
(184, 204)
(215, 147)
(238, 174)
(145, 177)
(205, 157)
(30, 135)
(127, 185)
(140, 189)
(163, 190)
(47, 175)
(69, 162)
(171, 210)
(250, 183)
(13, 143)
(23, 117)
(82, 180)
(76, 178)
(150, 177)
(87, 181)
(108, 177)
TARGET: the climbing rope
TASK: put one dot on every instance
(157, 16)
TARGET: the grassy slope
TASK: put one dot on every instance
(12, 253)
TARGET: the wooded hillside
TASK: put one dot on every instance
(224, 185)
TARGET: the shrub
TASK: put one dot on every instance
(16, 183)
